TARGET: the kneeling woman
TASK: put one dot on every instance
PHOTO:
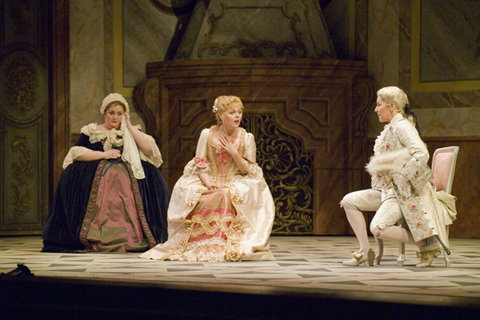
(111, 197)
(221, 208)
(401, 187)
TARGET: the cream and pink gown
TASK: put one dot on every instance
(231, 223)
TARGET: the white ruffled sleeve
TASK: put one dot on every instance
(155, 158)
(200, 162)
(250, 157)
(202, 144)
(73, 154)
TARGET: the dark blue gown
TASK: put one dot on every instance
(61, 232)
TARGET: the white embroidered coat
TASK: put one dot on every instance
(400, 150)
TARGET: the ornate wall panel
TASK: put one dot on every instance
(305, 114)
(23, 117)
(288, 170)
(254, 29)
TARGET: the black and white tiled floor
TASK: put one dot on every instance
(302, 262)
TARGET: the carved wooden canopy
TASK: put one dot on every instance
(308, 117)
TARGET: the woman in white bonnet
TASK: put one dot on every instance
(111, 197)
(401, 188)
(221, 208)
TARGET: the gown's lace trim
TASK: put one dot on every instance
(111, 139)
(213, 156)
(191, 168)
(215, 249)
(211, 250)
(211, 224)
(253, 169)
(73, 154)
(155, 157)
(91, 206)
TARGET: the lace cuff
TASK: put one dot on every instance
(192, 167)
(155, 158)
(201, 163)
(73, 154)
(378, 182)
(417, 173)
(253, 169)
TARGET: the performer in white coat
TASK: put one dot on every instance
(401, 187)
(221, 208)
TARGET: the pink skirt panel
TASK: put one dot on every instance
(116, 225)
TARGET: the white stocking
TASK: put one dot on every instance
(401, 235)
(357, 222)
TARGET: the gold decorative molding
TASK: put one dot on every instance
(21, 78)
(21, 170)
(417, 86)
(288, 171)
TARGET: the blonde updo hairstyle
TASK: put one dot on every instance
(221, 105)
(399, 99)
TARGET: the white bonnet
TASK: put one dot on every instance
(114, 97)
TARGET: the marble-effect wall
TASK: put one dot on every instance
(383, 36)
(147, 33)
(87, 72)
(145, 39)
(440, 114)
(450, 40)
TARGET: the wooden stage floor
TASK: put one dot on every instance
(307, 272)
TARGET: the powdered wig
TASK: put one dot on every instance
(221, 105)
(399, 99)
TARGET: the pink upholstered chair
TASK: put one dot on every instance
(444, 161)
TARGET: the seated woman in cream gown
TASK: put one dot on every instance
(221, 208)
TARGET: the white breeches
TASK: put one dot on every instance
(388, 212)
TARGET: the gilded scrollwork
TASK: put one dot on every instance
(21, 170)
(21, 77)
(258, 49)
(288, 171)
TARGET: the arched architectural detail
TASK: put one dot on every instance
(317, 107)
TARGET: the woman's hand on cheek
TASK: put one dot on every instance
(127, 119)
